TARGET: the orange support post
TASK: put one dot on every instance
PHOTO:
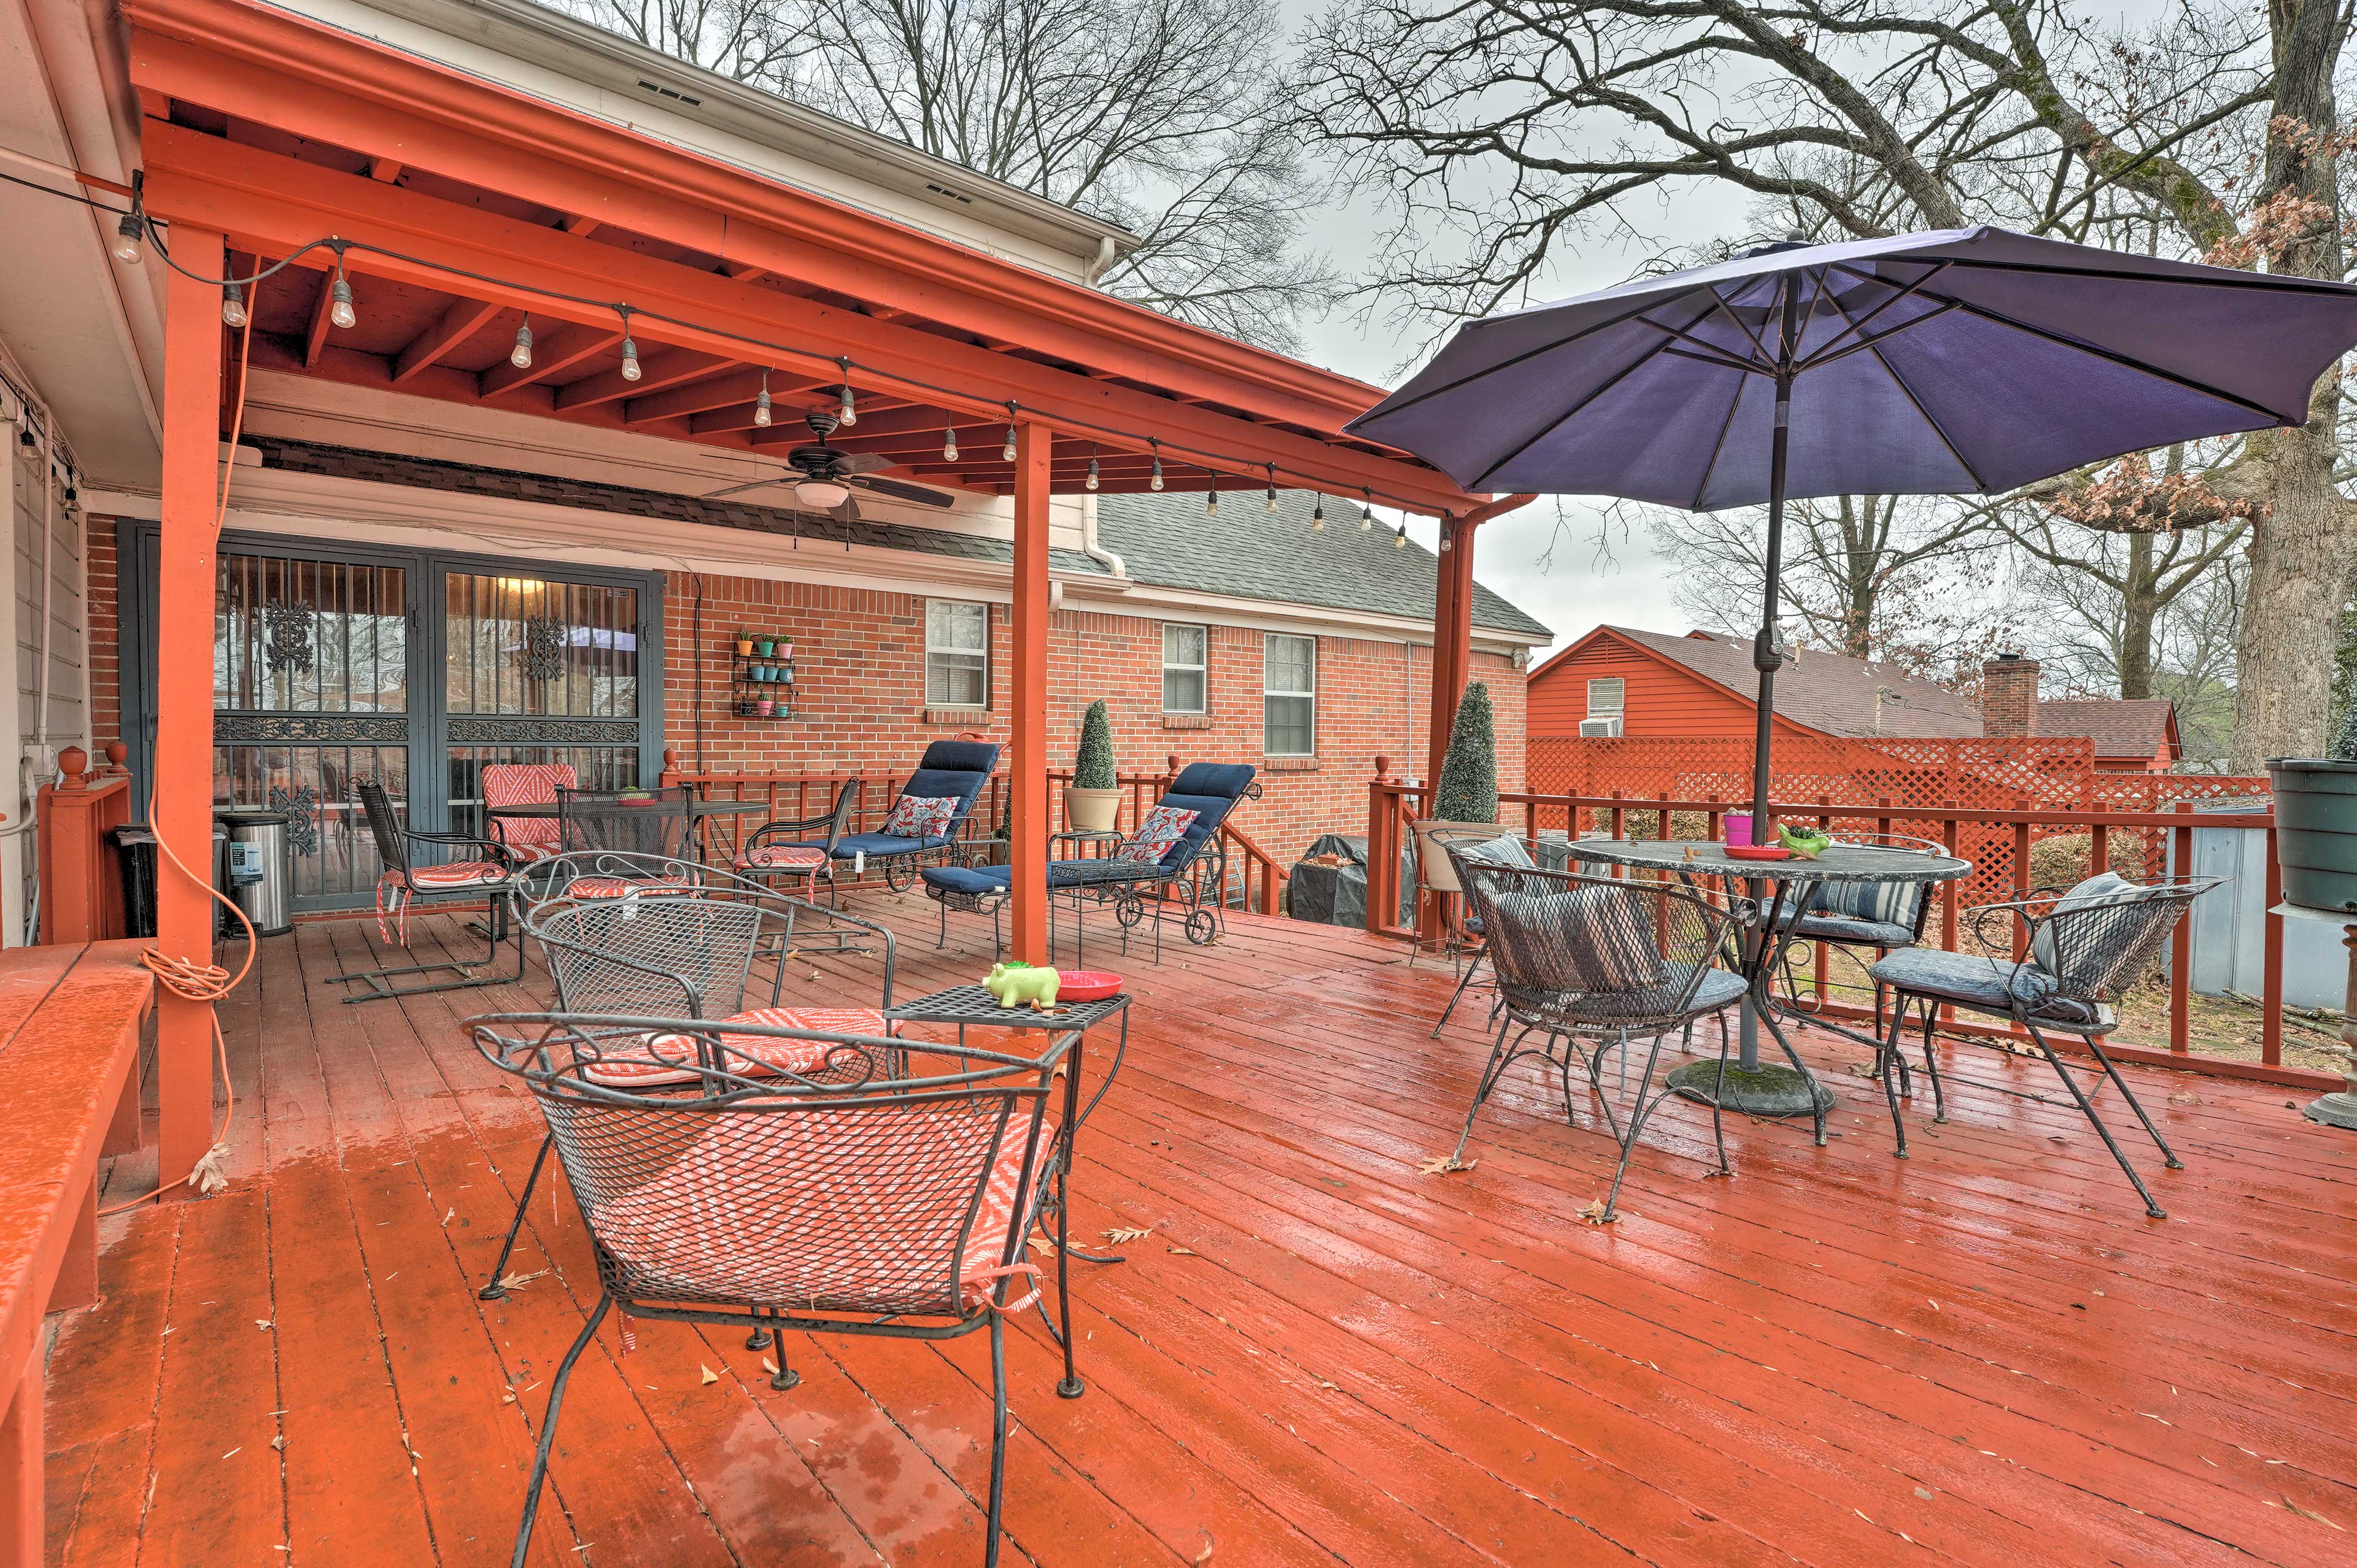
(1452, 633)
(184, 727)
(1027, 695)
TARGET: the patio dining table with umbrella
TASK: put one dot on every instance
(1957, 361)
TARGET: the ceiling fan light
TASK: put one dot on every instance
(822, 495)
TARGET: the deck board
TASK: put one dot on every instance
(1986, 1353)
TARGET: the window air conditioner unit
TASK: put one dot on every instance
(1600, 729)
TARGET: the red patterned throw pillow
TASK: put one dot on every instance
(1164, 826)
(921, 816)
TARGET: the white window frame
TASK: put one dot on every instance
(1201, 671)
(1619, 708)
(1270, 694)
(946, 651)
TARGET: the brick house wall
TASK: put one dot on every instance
(859, 658)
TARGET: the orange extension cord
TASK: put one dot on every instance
(185, 977)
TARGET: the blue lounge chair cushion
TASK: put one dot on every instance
(875, 845)
(1844, 928)
(977, 881)
(1991, 985)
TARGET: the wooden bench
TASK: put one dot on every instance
(71, 1021)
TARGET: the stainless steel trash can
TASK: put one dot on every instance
(259, 870)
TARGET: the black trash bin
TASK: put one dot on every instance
(134, 847)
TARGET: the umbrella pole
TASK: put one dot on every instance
(1768, 657)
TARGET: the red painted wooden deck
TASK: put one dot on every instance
(1987, 1353)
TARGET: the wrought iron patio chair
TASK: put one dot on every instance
(1190, 872)
(776, 852)
(2080, 951)
(487, 876)
(1599, 961)
(611, 842)
(876, 1205)
(1882, 917)
(1503, 849)
(953, 771)
(678, 956)
(526, 784)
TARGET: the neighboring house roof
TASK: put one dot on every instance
(467, 478)
(1862, 699)
(1826, 692)
(2139, 727)
(1248, 553)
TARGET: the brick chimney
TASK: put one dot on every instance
(2008, 696)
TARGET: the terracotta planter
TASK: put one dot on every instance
(745, 648)
(1091, 811)
(1439, 875)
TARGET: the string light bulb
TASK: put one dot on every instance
(1154, 483)
(1318, 518)
(128, 235)
(631, 371)
(949, 443)
(849, 413)
(1272, 489)
(520, 355)
(1006, 452)
(233, 305)
(339, 298)
(1211, 502)
(1399, 540)
(761, 403)
(1092, 467)
(1367, 512)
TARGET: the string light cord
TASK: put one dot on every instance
(840, 365)
(187, 977)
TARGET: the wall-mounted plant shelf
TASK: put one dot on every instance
(756, 678)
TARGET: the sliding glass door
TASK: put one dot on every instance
(413, 669)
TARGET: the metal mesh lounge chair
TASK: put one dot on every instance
(777, 853)
(1482, 843)
(953, 771)
(876, 1205)
(483, 870)
(2082, 949)
(1174, 859)
(1597, 962)
(678, 956)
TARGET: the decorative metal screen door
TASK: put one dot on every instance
(312, 693)
(538, 669)
(413, 669)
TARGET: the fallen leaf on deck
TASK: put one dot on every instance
(517, 1282)
(1594, 1213)
(279, 1441)
(262, 1323)
(1182, 1251)
(448, 1216)
(1120, 1234)
(709, 1375)
(1205, 1555)
(1442, 1165)
(1042, 1244)
(769, 1365)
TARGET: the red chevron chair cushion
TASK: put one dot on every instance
(526, 784)
(769, 1054)
(457, 873)
(782, 857)
(823, 1205)
(622, 886)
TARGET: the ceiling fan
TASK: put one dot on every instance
(824, 477)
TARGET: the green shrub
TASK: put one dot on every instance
(1092, 769)
(1469, 775)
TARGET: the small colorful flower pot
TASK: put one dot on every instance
(745, 647)
(764, 647)
(765, 707)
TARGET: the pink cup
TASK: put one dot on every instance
(1738, 828)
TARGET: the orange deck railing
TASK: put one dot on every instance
(1999, 841)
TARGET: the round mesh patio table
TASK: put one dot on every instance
(1780, 890)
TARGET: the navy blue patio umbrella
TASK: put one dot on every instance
(1960, 361)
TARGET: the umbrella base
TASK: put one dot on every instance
(2334, 1111)
(1754, 1092)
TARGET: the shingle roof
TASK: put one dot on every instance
(1827, 692)
(466, 478)
(2120, 726)
(1246, 552)
(1860, 698)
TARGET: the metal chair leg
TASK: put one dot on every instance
(997, 1434)
(548, 1429)
(1638, 1114)
(492, 1290)
(1930, 1061)
(1460, 992)
(1885, 1057)
(2169, 1154)
(1492, 1070)
(2088, 1109)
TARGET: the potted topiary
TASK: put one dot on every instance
(1465, 803)
(2316, 822)
(1093, 800)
